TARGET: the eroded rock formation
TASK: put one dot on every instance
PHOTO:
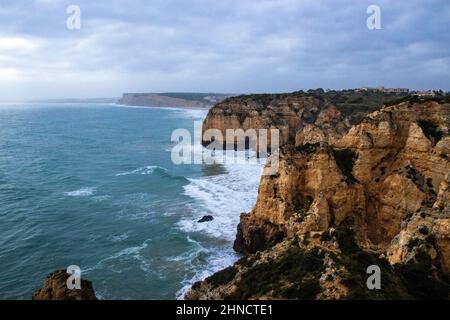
(301, 117)
(347, 197)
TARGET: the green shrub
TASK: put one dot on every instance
(292, 276)
(222, 277)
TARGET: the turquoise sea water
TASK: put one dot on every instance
(93, 185)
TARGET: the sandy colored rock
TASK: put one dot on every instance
(55, 288)
(386, 179)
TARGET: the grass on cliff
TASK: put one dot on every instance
(295, 275)
(356, 262)
(222, 277)
(296, 272)
(417, 99)
(350, 103)
(413, 280)
(419, 280)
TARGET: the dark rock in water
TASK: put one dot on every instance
(55, 288)
(206, 219)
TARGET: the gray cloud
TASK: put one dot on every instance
(226, 46)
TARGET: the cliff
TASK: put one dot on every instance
(351, 191)
(299, 116)
(175, 99)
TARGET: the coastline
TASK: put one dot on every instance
(138, 221)
(161, 107)
(310, 235)
(212, 194)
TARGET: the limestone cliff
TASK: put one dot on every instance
(301, 117)
(347, 197)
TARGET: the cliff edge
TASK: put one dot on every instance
(352, 191)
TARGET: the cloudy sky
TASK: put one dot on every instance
(219, 46)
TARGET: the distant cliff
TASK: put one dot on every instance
(175, 99)
(355, 188)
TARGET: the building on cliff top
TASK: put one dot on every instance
(382, 90)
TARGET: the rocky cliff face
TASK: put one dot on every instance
(287, 112)
(347, 197)
(301, 117)
(55, 288)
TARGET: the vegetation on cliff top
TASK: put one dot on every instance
(328, 262)
(413, 280)
(350, 103)
(297, 272)
(294, 275)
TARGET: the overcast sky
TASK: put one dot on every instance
(219, 46)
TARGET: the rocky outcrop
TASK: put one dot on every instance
(343, 199)
(206, 218)
(256, 235)
(329, 265)
(379, 172)
(301, 117)
(55, 288)
(425, 233)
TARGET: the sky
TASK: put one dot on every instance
(229, 46)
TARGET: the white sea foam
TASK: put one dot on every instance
(101, 198)
(195, 114)
(143, 171)
(83, 192)
(223, 196)
(190, 255)
(144, 107)
(130, 252)
(119, 238)
(181, 112)
(216, 261)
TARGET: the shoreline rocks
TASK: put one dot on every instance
(55, 288)
(206, 218)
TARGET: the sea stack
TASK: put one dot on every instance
(55, 288)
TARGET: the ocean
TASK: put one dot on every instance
(93, 185)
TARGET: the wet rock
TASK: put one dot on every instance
(206, 218)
